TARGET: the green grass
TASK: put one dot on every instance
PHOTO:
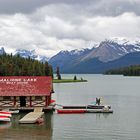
(67, 81)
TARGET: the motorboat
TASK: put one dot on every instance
(94, 106)
(89, 106)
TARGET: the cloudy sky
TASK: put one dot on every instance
(49, 26)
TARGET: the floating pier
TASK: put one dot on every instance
(32, 117)
(85, 109)
(49, 108)
(78, 111)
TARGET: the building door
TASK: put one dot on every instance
(22, 101)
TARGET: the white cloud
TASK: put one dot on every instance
(48, 31)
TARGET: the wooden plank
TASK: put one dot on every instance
(38, 109)
(31, 117)
(31, 109)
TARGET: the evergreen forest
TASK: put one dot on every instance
(133, 70)
(17, 66)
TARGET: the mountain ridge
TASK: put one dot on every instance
(103, 56)
(107, 52)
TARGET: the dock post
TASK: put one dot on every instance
(46, 102)
(14, 101)
(30, 101)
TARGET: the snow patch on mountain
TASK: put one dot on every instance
(78, 52)
(2, 51)
(73, 52)
(32, 54)
(113, 48)
(125, 41)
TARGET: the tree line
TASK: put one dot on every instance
(18, 66)
(133, 70)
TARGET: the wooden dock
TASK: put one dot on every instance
(32, 117)
(31, 109)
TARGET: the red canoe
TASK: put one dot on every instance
(5, 113)
(70, 111)
(4, 119)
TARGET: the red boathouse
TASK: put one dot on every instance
(25, 91)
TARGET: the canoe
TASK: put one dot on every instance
(14, 111)
(5, 113)
(4, 119)
(70, 111)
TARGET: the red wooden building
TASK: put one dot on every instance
(25, 91)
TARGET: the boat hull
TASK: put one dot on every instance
(4, 119)
(98, 106)
(70, 111)
(5, 113)
(87, 107)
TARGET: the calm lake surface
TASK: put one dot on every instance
(122, 93)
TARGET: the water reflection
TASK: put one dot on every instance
(4, 125)
(18, 131)
(102, 115)
(121, 93)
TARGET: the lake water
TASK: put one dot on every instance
(122, 93)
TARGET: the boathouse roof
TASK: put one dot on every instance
(25, 85)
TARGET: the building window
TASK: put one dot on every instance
(28, 98)
(43, 98)
(33, 98)
(1, 98)
(38, 98)
(6, 98)
(17, 98)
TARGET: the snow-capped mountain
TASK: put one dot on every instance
(110, 53)
(98, 58)
(67, 57)
(2, 51)
(74, 52)
(125, 41)
(32, 54)
(112, 49)
(25, 53)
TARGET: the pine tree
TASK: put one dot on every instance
(58, 73)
